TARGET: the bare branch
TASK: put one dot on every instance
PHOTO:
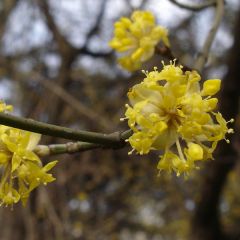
(167, 52)
(203, 55)
(99, 17)
(62, 42)
(99, 54)
(7, 7)
(114, 139)
(199, 7)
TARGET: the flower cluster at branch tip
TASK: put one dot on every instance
(21, 168)
(170, 112)
(136, 39)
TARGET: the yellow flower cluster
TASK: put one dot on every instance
(170, 112)
(136, 39)
(21, 168)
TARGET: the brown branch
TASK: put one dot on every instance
(63, 44)
(6, 8)
(167, 52)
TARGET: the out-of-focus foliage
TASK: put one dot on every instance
(56, 66)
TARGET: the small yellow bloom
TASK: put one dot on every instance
(136, 39)
(8, 194)
(169, 112)
(5, 107)
(21, 168)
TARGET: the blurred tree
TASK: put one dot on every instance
(56, 66)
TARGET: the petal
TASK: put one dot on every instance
(49, 166)
(16, 161)
(33, 141)
(211, 87)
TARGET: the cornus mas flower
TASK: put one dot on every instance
(21, 168)
(136, 38)
(170, 112)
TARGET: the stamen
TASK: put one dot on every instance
(230, 130)
(145, 72)
(179, 148)
(129, 153)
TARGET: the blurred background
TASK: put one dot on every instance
(56, 67)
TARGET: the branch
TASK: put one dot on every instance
(60, 39)
(98, 20)
(116, 139)
(203, 55)
(70, 147)
(167, 52)
(194, 7)
(62, 42)
(101, 54)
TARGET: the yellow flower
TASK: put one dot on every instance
(5, 107)
(21, 168)
(169, 112)
(136, 39)
(8, 194)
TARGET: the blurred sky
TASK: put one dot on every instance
(26, 28)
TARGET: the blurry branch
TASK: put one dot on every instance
(167, 52)
(99, 17)
(68, 54)
(206, 222)
(47, 203)
(86, 51)
(6, 8)
(116, 139)
(203, 55)
(94, 30)
(140, 6)
(194, 7)
(63, 44)
(80, 109)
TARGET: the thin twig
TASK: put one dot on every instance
(203, 55)
(198, 7)
(167, 52)
(115, 139)
(70, 147)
